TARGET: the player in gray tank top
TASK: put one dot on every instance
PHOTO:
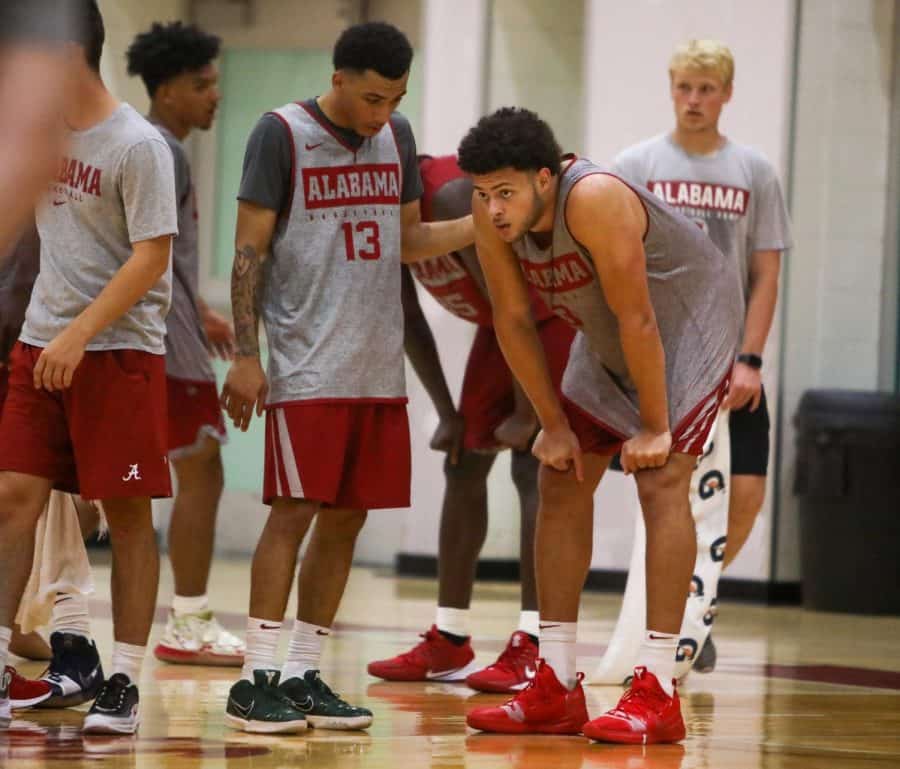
(330, 190)
(733, 194)
(658, 310)
(176, 62)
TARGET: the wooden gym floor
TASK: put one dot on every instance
(793, 690)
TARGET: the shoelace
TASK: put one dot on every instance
(325, 692)
(514, 659)
(632, 701)
(419, 653)
(111, 695)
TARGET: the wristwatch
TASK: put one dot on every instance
(749, 359)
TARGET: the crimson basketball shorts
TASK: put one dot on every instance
(194, 413)
(487, 391)
(348, 454)
(688, 436)
(104, 437)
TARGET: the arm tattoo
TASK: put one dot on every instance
(246, 293)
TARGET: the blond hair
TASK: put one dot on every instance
(705, 55)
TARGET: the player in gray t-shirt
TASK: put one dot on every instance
(177, 64)
(732, 192)
(86, 405)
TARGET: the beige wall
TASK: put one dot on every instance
(124, 19)
(834, 295)
(536, 54)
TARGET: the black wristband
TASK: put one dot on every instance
(749, 359)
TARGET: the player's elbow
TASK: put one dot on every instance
(637, 322)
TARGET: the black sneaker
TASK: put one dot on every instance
(706, 659)
(116, 709)
(324, 709)
(75, 673)
(261, 707)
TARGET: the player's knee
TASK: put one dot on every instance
(559, 496)
(524, 471)
(661, 489)
(20, 502)
(470, 468)
(747, 496)
(340, 524)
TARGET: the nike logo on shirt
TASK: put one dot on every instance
(313, 146)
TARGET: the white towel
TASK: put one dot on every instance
(60, 563)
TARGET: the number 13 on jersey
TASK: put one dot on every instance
(362, 240)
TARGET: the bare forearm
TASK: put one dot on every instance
(524, 353)
(760, 312)
(522, 405)
(646, 361)
(420, 347)
(133, 280)
(424, 240)
(246, 293)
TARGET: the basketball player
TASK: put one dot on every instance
(732, 192)
(493, 414)
(90, 362)
(658, 312)
(177, 64)
(75, 674)
(33, 86)
(330, 189)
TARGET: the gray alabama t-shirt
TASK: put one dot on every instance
(733, 194)
(115, 187)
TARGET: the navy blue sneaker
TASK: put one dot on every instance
(75, 673)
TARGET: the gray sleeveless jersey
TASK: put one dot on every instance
(187, 354)
(695, 293)
(331, 302)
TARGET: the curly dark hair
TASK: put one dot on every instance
(168, 50)
(374, 45)
(511, 137)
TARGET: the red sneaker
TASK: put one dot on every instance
(513, 670)
(434, 659)
(24, 693)
(545, 706)
(645, 715)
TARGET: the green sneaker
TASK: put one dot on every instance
(323, 708)
(260, 707)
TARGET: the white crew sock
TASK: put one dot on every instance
(189, 604)
(71, 615)
(529, 622)
(127, 659)
(657, 654)
(557, 641)
(304, 649)
(5, 636)
(262, 646)
(454, 621)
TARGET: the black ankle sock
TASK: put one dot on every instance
(456, 640)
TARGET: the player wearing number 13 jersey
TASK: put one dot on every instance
(330, 190)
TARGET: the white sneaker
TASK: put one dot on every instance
(5, 705)
(198, 639)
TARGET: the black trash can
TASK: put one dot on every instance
(848, 484)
